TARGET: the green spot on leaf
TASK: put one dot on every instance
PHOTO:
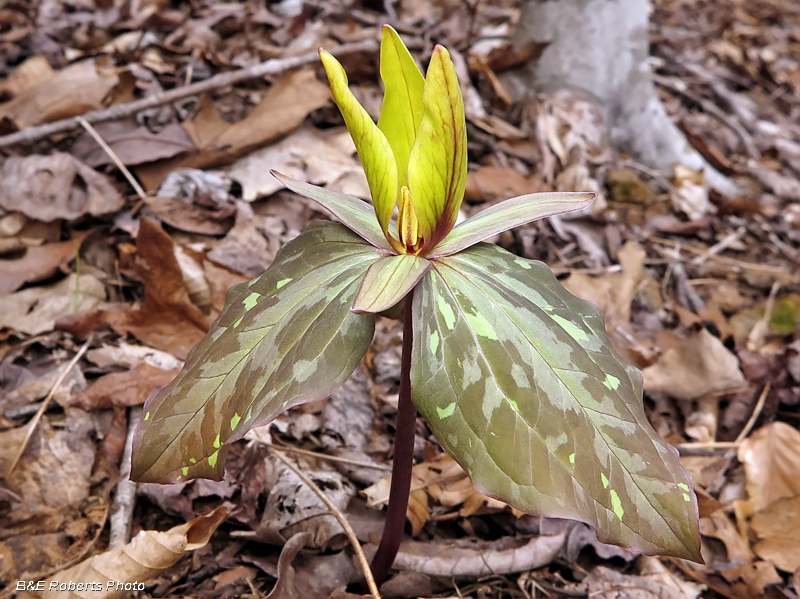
(572, 459)
(250, 301)
(686, 497)
(238, 321)
(217, 444)
(683, 486)
(574, 331)
(446, 412)
(523, 263)
(147, 416)
(447, 312)
(434, 342)
(212, 459)
(185, 470)
(192, 461)
(480, 325)
(514, 405)
(604, 478)
(282, 282)
(611, 382)
(616, 504)
(234, 421)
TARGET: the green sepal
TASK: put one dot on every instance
(507, 215)
(354, 213)
(388, 281)
(285, 338)
(519, 383)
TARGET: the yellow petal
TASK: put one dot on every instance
(437, 168)
(402, 109)
(373, 147)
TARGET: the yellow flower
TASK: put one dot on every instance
(415, 158)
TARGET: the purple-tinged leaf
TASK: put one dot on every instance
(355, 214)
(519, 383)
(507, 215)
(285, 338)
(388, 281)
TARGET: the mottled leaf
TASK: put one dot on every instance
(354, 213)
(437, 167)
(388, 281)
(519, 383)
(402, 101)
(507, 215)
(284, 338)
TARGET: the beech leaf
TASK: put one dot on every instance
(285, 338)
(519, 383)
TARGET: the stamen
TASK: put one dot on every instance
(407, 222)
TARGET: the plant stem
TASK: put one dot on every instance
(403, 458)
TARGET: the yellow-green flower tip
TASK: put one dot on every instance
(417, 153)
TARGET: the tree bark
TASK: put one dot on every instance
(600, 48)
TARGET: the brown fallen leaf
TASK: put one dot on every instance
(778, 529)
(72, 91)
(31, 72)
(122, 389)
(133, 144)
(36, 310)
(115, 572)
(719, 526)
(35, 264)
(756, 577)
(283, 108)
(655, 580)
(771, 458)
(696, 366)
(56, 186)
(490, 183)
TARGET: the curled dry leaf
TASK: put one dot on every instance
(35, 264)
(72, 91)
(698, 365)
(771, 458)
(36, 310)
(55, 186)
(132, 144)
(474, 558)
(292, 507)
(142, 559)
(122, 389)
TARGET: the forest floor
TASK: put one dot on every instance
(115, 259)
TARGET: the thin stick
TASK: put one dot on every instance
(273, 66)
(332, 458)
(403, 458)
(756, 413)
(111, 154)
(348, 530)
(125, 493)
(46, 402)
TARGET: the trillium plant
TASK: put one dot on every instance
(514, 375)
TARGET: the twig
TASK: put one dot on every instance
(332, 458)
(270, 67)
(125, 495)
(756, 413)
(111, 154)
(46, 402)
(348, 530)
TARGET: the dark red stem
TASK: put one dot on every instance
(403, 459)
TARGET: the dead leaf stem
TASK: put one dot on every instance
(348, 530)
(273, 66)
